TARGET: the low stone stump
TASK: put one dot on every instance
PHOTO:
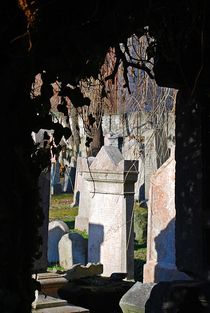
(167, 297)
(99, 294)
(136, 297)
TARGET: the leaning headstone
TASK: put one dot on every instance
(40, 264)
(72, 249)
(161, 262)
(56, 230)
(82, 219)
(134, 300)
(111, 183)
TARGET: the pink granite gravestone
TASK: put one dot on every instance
(161, 261)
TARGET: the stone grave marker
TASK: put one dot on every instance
(111, 184)
(56, 230)
(72, 249)
(161, 262)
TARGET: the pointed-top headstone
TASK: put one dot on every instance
(107, 159)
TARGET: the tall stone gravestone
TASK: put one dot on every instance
(111, 183)
(56, 187)
(40, 265)
(82, 219)
(161, 262)
(150, 163)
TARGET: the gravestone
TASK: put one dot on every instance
(111, 183)
(56, 187)
(140, 184)
(82, 219)
(161, 261)
(69, 179)
(55, 231)
(150, 163)
(72, 249)
(69, 175)
(115, 140)
(40, 264)
(77, 183)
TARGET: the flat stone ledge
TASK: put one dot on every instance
(63, 309)
(55, 305)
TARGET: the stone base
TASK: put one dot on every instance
(156, 272)
(98, 294)
(81, 223)
(51, 282)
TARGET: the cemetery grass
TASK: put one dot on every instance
(140, 246)
(60, 209)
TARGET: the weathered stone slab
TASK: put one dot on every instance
(134, 300)
(48, 302)
(80, 271)
(161, 262)
(63, 309)
(55, 305)
(72, 249)
(56, 230)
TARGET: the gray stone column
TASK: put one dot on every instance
(111, 183)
